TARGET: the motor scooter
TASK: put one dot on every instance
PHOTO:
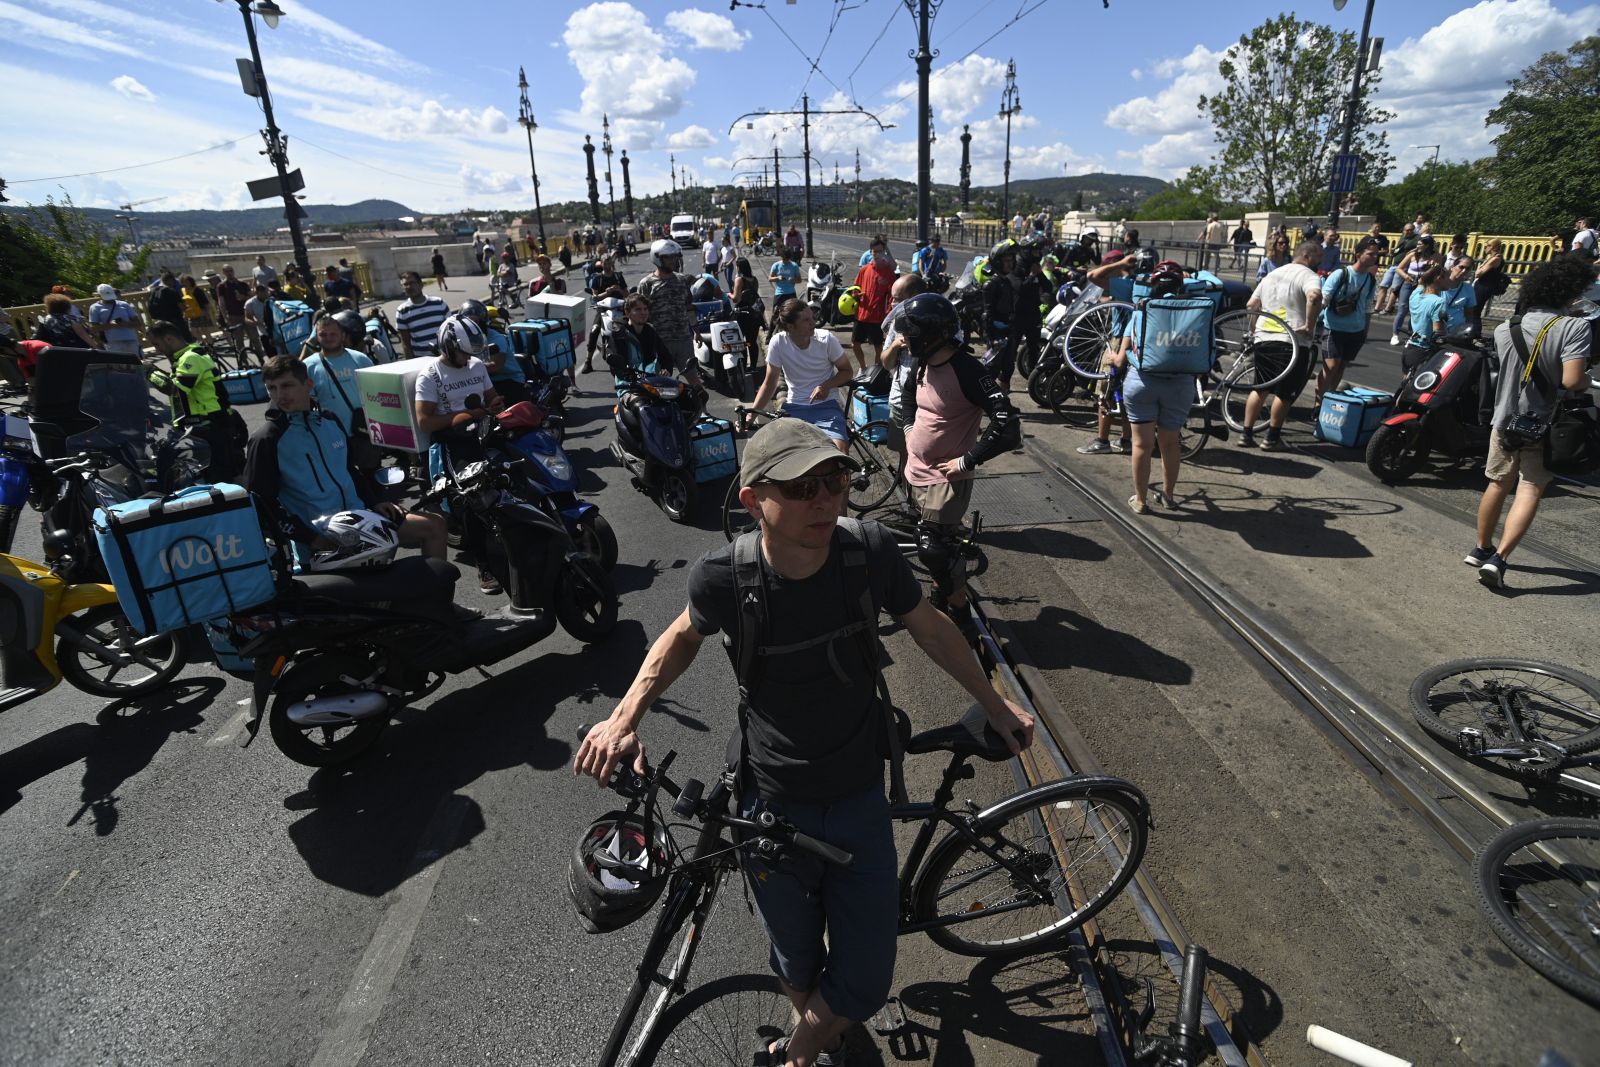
(823, 288)
(652, 420)
(721, 348)
(544, 474)
(1444, 406)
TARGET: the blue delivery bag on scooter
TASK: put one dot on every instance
(198, 554)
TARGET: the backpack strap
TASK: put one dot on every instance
(1520, 343)
(858, 588)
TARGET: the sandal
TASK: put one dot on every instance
(773, 1057)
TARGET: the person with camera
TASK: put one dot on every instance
(1544, 351)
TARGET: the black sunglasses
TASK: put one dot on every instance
(806, 486)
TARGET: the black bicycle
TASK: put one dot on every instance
(1006, 880)
(1537, 881)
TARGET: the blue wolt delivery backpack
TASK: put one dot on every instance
(715, 455)
(195, 555)
(1175, 335)
(547, 342)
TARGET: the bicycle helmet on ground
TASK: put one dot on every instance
(664, 249)
(928, 322)
(360, 539)
(476, 310)
(617, 871)
(461, 337)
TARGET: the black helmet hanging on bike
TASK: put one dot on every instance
(928, 322)
(617, 871)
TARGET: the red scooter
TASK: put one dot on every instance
(1445, 406)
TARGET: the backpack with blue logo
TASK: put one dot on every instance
(1175, 335)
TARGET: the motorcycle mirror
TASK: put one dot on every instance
(389, 476)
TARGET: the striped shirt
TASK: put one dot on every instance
(421, 323)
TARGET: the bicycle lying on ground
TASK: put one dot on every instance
(1538, 881)
(1009, 879)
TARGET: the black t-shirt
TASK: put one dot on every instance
(812, 736)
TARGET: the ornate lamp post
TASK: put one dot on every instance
(605, 146)
(594, 185)
(525, 119)
(1010, 104)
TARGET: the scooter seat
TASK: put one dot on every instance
(430, 581)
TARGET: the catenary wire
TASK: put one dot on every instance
(134, 166)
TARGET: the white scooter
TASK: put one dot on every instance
(722, 352)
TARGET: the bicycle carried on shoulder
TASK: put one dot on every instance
(1009, 879)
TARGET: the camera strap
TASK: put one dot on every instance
(1531, 359)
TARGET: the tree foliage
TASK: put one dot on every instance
(1456, 197)
(1193, 196)
(1544, 170)
(1277, 117)
(57, 245)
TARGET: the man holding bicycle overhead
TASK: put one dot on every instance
(798, 602)
(1292, 293)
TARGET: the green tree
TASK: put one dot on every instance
(1193, 196)
(57, 245)
(1544, 168)
(27, 262)
(1277, 117)
(1455, 196)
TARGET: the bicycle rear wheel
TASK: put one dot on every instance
(736, 518)
(1195, 433)
(1076, 399)
(879, 475)
(1242, 359)
(1044, 862)
(663, 971)
(1090, 336)
(721, 1024)
(1539, 884)
(1553, 703)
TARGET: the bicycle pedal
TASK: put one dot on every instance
(1471, 740)
(891, 1018)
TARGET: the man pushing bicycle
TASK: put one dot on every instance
(798, 602)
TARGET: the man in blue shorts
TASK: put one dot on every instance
(812, 720)
(1347, 296)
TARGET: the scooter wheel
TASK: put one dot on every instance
(1395, 453)
(586, 601)
(136, 665)
(677, 496)
(320, 746)
(596, 539)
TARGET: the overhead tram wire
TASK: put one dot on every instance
(134, 166)
(812, 63)
(839, 8)
(1021, 14)
(894, 8)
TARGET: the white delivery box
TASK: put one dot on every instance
(388, 397)
(575, 309)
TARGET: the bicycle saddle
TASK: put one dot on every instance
(971, 735)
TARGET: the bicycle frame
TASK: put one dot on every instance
(1525, 748)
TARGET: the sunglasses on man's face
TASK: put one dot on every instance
(806, 486)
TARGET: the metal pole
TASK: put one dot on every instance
(525, 116)
(611, 193)
(278, 152)
(1350, 111)
(777, 200)
(924, 57)
(672, 167)
(594, 184)
(805, 130)
(966, 168)
(627, 187)
(1010, 104)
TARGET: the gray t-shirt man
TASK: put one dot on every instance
(813, 735)
(1568, 341)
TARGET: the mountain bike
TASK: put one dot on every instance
(1005, 880)
(1537, 881)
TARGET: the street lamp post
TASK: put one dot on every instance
(277, 149)
(627, 188)
(594, 185)
(605, 146)
(1433, 177)
(525, 118)
(1350, 109)
(966, 168)
(1010, 104)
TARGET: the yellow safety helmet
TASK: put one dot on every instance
(847, 301)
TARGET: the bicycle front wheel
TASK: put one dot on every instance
(722, 1023)
(736, 518)
(879, 475)
(1037, 866)
(1091, 336)
(1539, 884)
(1195, 433)
(1255, 349)
(1551, 702)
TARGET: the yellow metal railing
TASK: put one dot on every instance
(25, 319)
(1522, 254)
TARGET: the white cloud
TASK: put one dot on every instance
(1172, 155)
(960, 89)
(704, 29)
(487, 182)
(623, 65)
(1172, 109)
(692, 137)
(130, 87)
(336, 36)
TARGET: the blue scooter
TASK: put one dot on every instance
(549, 478)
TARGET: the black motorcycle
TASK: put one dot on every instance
(1445, 406)
(652, 419)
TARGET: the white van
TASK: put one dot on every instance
(682, 230)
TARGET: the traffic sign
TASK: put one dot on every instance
(1344, 172)
(266, 188)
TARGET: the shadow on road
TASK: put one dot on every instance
(1059, 638)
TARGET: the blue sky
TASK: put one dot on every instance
(417, 101)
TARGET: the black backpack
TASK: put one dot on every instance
(1343, 304)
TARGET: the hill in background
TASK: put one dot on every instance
(247, 222)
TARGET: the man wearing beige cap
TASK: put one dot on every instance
(798, 602)
(114, 322)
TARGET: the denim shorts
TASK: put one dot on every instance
(1391, 279)
(825, 415)
(1164, 399)
(802, 896)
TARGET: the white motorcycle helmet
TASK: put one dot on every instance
(611, 310)
(460, 337)
(664, 249)
(360, 539)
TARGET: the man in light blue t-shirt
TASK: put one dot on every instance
(785, 273)
(115, 321)
(1346, 298)
(1459, 296)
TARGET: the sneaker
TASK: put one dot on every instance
(488, 584)
(1394, 340)
(1097, 447)
(1124, 446)
(1139, 506)
(1166, 500)
(1272, 443)
(1478, 557)
(1493, 572)
(588, 367)
(1247, 439)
